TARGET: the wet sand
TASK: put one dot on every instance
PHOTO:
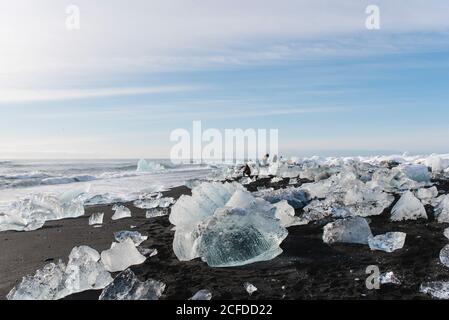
(307, 269)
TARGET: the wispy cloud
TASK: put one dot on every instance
(11, 96)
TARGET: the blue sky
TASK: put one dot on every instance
(118, 86)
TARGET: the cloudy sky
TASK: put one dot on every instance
(138, 69)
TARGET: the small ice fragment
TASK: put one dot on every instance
(293, 181)
(438, 289)
(202, 295)
(389, 278)
(250, 288)
(408, 208)
(132, 226)
(442, 209)
(444, 256)
(96, 218)
(147, 252)
(276, 180)
(135, 236)
(286, 214)
(349, 230)
(121, 256)
(426, 195)
(127, 286)
(120, 212)
(388, 242)
(446, 233)
(156, 212)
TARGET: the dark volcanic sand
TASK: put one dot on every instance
(308, 268)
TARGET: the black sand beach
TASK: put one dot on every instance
(307, 269)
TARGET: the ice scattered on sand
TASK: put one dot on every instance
(441, 210)
(202, 295)
(349, 230)
(135, 236)
(286, 214)
(120, 212)
(389, 278)
(426, 195)
(84, 271)
(388, 242)
(438, 289)
(444, 256)
(121, 256)
(32, 213)
(156, 212)
(276, 180)
(408, 208)
(96, 218)
(225, 226)
(250, 288)
(126, 286)
(147, 252)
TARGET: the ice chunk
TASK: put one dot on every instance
(408, 208)
(127, 286)
(389, 278)
(426, 195)
(84, 271)
(154, 203)
(202, 295)
(96, 218)
(349, 230)
(147, 252)
(444, 256)
(441, 211)
(446, 233)
(226, 226)
(276, 180)
(364, 201)
(286, 214)
(120, 212)
(32, 213)
(156, 212)
(250, 288)
(295, 197)
(135, 236)
(293, 181)
(121, 256)
(416, 172)
(438, 289)
(388, 242)
(46, 284)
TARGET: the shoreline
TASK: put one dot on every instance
(308, 269)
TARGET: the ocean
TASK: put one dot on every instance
(109, 180)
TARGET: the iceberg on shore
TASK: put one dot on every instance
(226, 226)
(126, 286)
(121, 256)
(84, 271)
(32, 213)
(350, 230)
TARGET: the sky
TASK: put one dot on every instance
(137, 70)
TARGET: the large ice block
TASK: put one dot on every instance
(388, 242)
(350, 230)
(408, 208)
(121, 256)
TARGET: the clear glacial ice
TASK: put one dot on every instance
(350, 230)
(126, 286)
(250, 288)
(437, 290)
(408, 208)
(96, 218)
(84, 271)
(135, 236)
(226, 226)
(203, 295)
(121, 256)
(32, 213)
(120, 212)
(388, 242)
